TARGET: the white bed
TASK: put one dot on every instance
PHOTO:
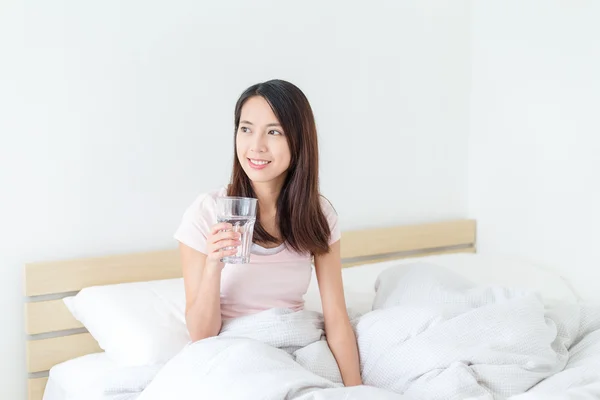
(50, 325)
(94, 376)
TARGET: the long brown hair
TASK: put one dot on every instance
(301, 221)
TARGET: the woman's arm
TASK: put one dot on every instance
(340, 336)
(202, 282)
(202, 294)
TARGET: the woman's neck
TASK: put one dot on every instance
(267, 194)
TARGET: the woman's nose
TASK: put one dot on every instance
(259, 144)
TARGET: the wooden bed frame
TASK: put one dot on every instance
(54, 336)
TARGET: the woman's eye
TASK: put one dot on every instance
(274, 132)
(244, 129)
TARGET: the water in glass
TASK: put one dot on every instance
(244, 226)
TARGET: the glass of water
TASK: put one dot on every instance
(240, 212)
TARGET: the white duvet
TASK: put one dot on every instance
(431, 335)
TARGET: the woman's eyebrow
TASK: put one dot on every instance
(268, 125)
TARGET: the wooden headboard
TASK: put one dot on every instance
(54, 336)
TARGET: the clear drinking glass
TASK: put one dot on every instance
(240, 212)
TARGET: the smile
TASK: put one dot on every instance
(258, 164)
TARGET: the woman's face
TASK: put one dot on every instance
(262, 148)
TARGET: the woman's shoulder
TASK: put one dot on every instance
(207, 200)
(327, 206)
(332, 218)
(212, 194)
(197, 219)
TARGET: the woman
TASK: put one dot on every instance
(276, 162)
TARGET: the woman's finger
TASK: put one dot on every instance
(224, 253)
(225, 236)
(221, 244)
(222, 226)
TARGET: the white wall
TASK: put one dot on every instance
(116, 114)
(535, 134)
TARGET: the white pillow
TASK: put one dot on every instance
(359, 281)
(509, 272)
(140, 323)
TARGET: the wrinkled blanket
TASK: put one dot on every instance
(431, 335)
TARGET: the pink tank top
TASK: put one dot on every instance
(274, 278)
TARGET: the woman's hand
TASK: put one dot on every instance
(219, 243)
